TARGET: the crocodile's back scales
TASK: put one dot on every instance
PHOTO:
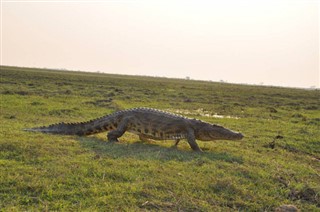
(157, 124)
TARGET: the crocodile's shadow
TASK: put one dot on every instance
(149, 151)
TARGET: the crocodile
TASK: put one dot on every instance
(147, 123)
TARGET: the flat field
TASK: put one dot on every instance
(277, 163)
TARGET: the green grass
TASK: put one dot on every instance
(69, 173)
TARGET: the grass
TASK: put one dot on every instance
(66, 173)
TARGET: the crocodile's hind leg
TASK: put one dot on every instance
(177, 142)
(121, 129)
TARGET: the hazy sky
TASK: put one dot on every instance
(273, 41)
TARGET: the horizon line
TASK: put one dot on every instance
(311, 87)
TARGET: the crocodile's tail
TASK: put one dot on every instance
(80, 128)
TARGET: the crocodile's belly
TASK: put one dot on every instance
(159, 129)
(159, 135)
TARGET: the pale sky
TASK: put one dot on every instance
(275, 42)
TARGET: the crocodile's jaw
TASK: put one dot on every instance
(216, 132)
(236, 136)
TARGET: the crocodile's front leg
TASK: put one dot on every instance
(121, 129)
(192, 141)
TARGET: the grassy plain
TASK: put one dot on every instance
(277, 163)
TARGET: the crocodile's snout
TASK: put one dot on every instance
(240, 136)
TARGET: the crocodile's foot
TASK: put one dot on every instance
(113, 140)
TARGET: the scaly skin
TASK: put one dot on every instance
(148, 124)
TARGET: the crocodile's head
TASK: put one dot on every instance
(211, 132)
